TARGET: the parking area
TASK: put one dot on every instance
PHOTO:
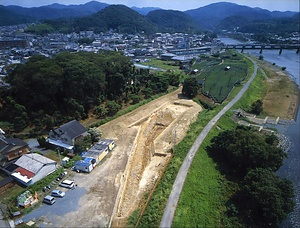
(47, 215)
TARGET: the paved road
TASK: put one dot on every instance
(51, 213)
(178, 184)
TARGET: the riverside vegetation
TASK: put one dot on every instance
(207, 196)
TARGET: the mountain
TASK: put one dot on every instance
(99, 16)
(54, 11)
(119, 17)
(211, 15)
(172, 21)
(144, 10)
(281, 26)
(8, 17)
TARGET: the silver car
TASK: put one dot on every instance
(58, 193)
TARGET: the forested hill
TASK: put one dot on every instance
(172, 21)
(119, 17)
(280, 26)
(75, 85)
(56, 11)
(101, 17)
(8, 17)
(209, 17)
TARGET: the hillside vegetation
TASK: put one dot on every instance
(173, 21)
(102, 17)
(75, 86)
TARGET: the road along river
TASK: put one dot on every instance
(179, 182)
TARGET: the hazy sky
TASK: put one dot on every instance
(281, 5)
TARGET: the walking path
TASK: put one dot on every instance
(179, 182)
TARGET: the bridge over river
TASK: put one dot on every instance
(262, 47)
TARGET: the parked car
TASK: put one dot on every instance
(49, 200)
(61, 176)
(67, 184)
(58, 193)
(47, 188)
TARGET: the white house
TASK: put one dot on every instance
(32, 168)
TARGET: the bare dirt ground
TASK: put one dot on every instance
(282, 95)
(143, 140)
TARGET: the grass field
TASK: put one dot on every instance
(217, 82)
(165, 65)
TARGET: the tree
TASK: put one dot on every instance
(135, 98)
(265, 199)
(95, 134)
(113, 107)
(243, 149)
(257, 107)
(100, 111)
(190, 87)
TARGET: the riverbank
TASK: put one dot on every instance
(282, 95)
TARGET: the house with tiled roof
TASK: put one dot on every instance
(66, 135)
(12, 148)
(33, 167)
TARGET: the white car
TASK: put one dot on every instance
(67, 184)
(58, 193)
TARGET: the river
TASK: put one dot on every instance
(291, 166)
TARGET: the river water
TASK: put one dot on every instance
(291, 166)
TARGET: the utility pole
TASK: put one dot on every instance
(174, 146)
(59, 156)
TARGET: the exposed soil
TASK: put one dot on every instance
(282, 95)
(144, 139)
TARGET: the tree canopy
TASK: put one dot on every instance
(190, 87)
(243, 149)
(46, 92)
(265, 199)
(250, 159)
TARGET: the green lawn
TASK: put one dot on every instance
(217, 82)
(165, 65)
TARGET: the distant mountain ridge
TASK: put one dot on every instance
(172, 21)
(55, 11)
(144, 10)
(211, 15)
(94, 16)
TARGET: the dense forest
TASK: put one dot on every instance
(46, 92)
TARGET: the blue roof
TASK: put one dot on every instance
(88, 160)
(82, 163)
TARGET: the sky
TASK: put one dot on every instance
(182, 5)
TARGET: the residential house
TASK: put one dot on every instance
(31, 168)
(66, 135)
(12, 148)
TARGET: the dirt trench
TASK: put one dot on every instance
(143, 137)
(156, 136)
